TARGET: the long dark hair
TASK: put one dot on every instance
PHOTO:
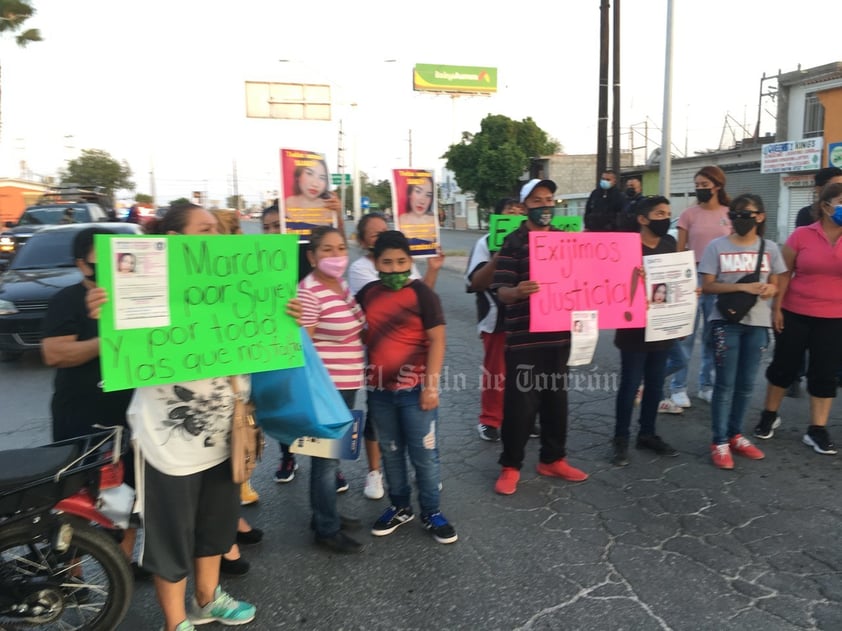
(174, 220)
(717, 176)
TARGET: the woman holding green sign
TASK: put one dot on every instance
(190, 502)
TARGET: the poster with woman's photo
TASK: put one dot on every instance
(306, 200)
(671, 295)
(415, 209)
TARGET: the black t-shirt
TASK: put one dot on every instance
(805, 217)
(78, 399)
(634, 339)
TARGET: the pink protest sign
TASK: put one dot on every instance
(583, 271)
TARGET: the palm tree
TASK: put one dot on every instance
(13, 13)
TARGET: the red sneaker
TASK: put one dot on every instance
(561, 469)
(507, 482)
(740, 445)
(721, 456)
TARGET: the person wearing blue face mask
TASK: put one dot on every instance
(807, 316)
(529, 356)
(605, 205)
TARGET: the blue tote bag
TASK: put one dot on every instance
(300, 401)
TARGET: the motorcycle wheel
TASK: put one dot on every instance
(87, 587)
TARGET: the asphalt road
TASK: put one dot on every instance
(661, 544)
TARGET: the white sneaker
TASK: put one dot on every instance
(374, 486)
(680, 399)
(667, 406)
(706, 395)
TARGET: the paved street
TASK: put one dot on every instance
(661, 544)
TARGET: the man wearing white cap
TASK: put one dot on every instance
(531, 358)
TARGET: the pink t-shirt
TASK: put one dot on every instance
(816, 285)
(703, 226)
(338, 320)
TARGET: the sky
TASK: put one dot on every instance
(161, 84)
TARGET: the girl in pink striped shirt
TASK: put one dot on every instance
(335, 323)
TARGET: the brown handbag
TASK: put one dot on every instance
(246, 437)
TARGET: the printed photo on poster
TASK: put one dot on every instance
(414, 195)
(306, 199)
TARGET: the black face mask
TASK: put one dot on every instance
(659, 227)
(704, 195)
(630, 192)
(743, 225)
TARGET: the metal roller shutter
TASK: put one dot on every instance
(798, 198)
(766, 186)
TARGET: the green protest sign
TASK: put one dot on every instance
(501, 226)
(182, 308)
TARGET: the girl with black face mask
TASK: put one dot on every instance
(643, 361)
(697, 227)
(738, 345)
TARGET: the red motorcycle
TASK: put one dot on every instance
(60, 567)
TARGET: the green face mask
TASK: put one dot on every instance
(394, 280)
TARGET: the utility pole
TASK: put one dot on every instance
(236, 187)
(152, 184)
(340, 165)
(615, 118)
(602, 118)
(665, 174)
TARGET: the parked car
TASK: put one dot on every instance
(35, 218)
(37, 273)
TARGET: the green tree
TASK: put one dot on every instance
(379, 193)
(97, 168)
(235, 201)
(490, 162)
(13, 14)
(181, 201)
(143, 198)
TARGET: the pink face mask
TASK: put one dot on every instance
(333, 266)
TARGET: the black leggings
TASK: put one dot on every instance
(822, 338)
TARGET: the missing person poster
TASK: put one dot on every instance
(306, 201)
(671, 293)
(416, 210)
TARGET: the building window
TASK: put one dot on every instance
(813, 116)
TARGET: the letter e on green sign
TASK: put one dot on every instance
(501, 226)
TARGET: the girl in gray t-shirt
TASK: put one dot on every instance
(737, 345)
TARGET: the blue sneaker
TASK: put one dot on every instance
(391, 519)
(439, 527)
(223, 609)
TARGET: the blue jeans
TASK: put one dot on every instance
(737, 350)
(682, 351)
(403, 428)
(323, 486)
(650, 366)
